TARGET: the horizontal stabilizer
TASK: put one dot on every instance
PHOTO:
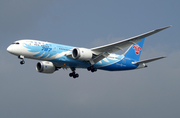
(148, 60)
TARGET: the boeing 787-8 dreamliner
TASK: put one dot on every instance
(55, 56)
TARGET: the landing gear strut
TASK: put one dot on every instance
(21, 57)
(73, 74)
(92, 69)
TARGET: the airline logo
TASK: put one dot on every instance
(137, 49)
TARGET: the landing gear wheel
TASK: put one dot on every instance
(89, 68)
(77, 75)
(22, 62)
(73, 74)
(95, 69)
(92, 69)
(70, 74)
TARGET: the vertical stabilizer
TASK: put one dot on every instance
(134, 50)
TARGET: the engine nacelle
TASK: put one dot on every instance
(45, 67)
(82, 54)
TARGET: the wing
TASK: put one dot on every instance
(113, 47)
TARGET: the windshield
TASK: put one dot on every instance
(16, 43)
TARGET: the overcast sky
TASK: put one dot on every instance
(152, 92)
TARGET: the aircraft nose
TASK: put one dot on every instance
(10, 49)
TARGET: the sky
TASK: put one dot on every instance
(152, 92)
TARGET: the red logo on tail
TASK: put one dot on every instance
(137, 49)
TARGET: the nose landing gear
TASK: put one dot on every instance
(21, 57)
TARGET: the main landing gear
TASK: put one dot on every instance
(76, 75)
(73, 74)
(21, 57)
(92, 69)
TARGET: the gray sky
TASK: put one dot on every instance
(152, 92)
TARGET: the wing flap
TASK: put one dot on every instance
(98, 58)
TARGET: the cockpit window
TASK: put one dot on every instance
(16, 43)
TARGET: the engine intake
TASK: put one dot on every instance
(45, 67)
(82, 54)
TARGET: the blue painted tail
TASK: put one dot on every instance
(134, 50)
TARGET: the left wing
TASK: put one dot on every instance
(102, 52)
(113, 47)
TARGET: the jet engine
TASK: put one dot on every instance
(45, 67)
(82, 54)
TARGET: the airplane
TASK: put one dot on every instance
(55, 56)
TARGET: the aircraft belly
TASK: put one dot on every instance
(119, 65)
(69, 62)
